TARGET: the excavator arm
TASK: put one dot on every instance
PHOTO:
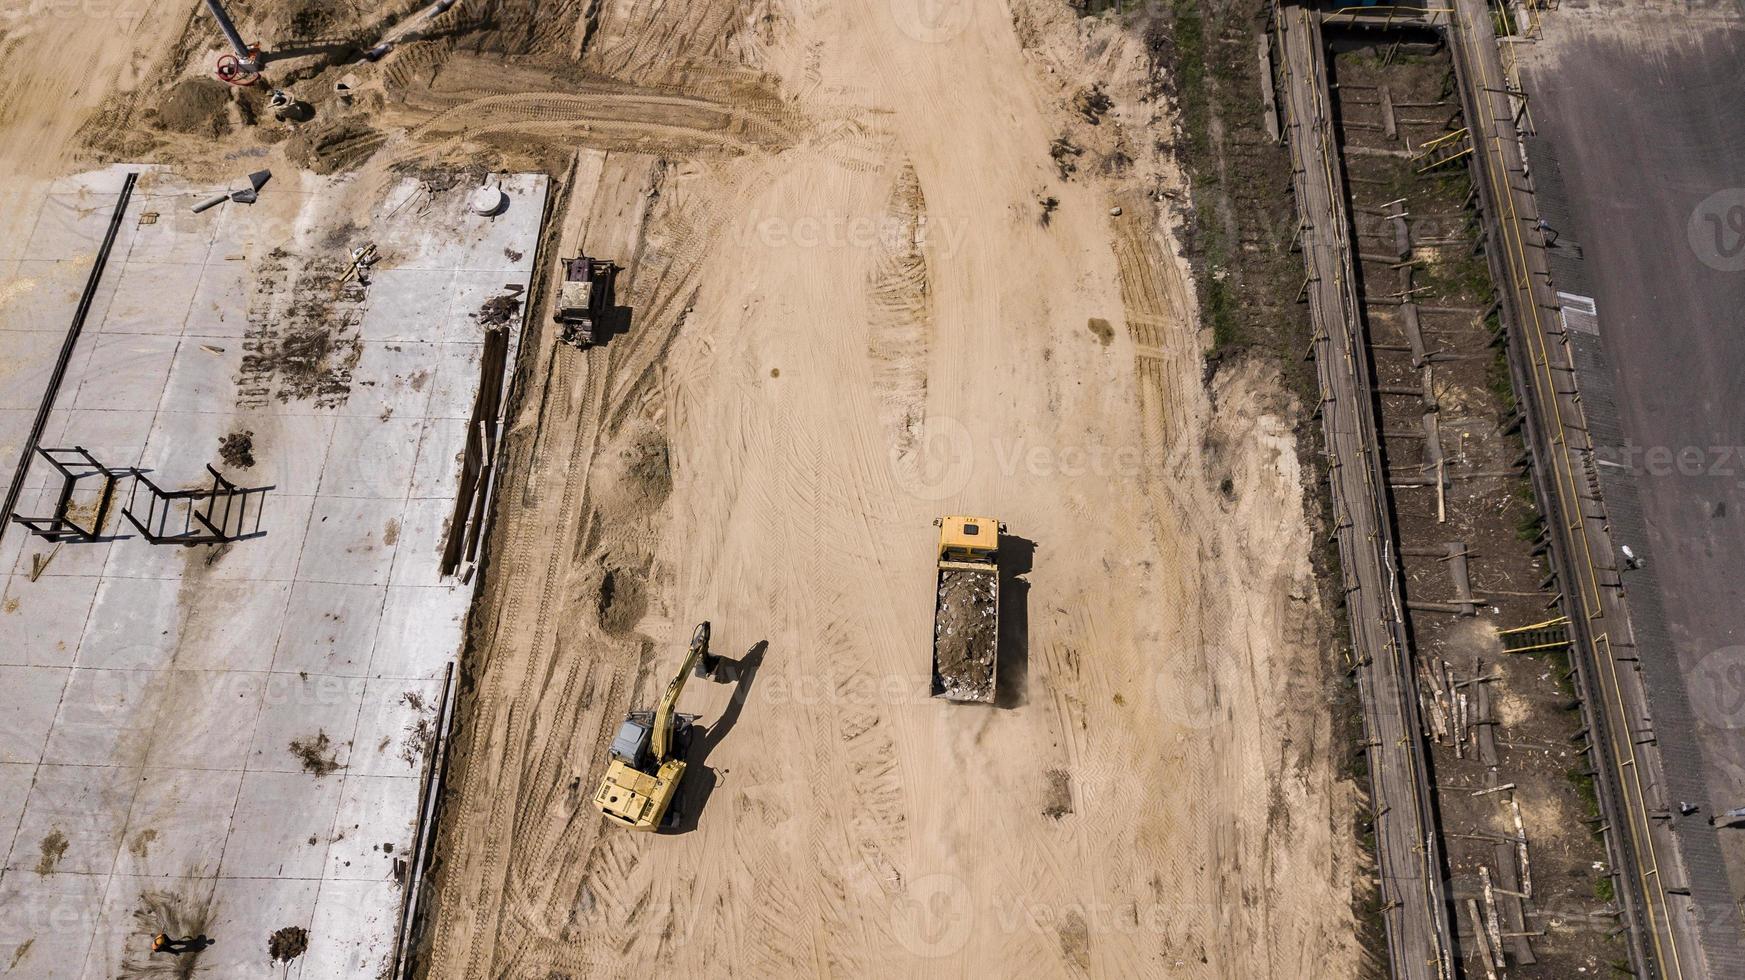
(662, 736)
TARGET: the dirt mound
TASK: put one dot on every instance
(499, 310)
(288, 943)
(317, 754)
(196, 106)
(622, 595)
(332, 146)
(309, 20)
(635, 471)
(237, 449)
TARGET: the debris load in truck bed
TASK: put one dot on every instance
(964, 638)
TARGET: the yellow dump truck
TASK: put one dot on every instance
(966, 609)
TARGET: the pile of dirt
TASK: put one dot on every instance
(196, 106)
(316, 753)
(237, 449)
(310, 361)
(634, 474)
(964, 637)
(499, 310)
(332, 146)
(622, 595)
(288, 943)
(54, 847)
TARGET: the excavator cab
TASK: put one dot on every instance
(647, 757)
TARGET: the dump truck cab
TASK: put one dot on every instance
(969, 539)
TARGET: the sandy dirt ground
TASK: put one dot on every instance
(861, 295)
(850, 316)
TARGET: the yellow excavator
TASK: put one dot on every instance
(648, 753)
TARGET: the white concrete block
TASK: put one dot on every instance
(356, 923)
(106, 717)
(392, 381)
(125, 372)
(351, 541)
(219, 311)
(41, 621)
(230, 624)
(178, 822)
(423, 530)
(334, 628)
(457, 381)
(373, 827)
(371, 457)
(407, 305)
(73, 821)
(47, 923)
(439, 463)
(246, 914)
(421, 631)
(301, 709)
(29, 700)
(135, 624)
(202, 715)
(151, 298)
(395, 727)
(277, 815)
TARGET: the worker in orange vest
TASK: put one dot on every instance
(162, 943)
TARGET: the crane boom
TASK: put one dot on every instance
(663, 714)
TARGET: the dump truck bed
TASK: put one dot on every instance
(966, 631)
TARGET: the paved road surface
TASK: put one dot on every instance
(1644, 118)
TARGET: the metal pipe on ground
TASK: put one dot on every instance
(244, 53)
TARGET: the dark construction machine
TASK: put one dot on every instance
(583, 298)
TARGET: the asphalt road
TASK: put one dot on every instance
(1646, 113)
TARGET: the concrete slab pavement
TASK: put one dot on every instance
(150, 695)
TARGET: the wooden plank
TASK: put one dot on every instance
(1479, 941)
(1490, 911)
(1462, 584)
(1268, 97)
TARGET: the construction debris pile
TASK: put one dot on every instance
(965, 633)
